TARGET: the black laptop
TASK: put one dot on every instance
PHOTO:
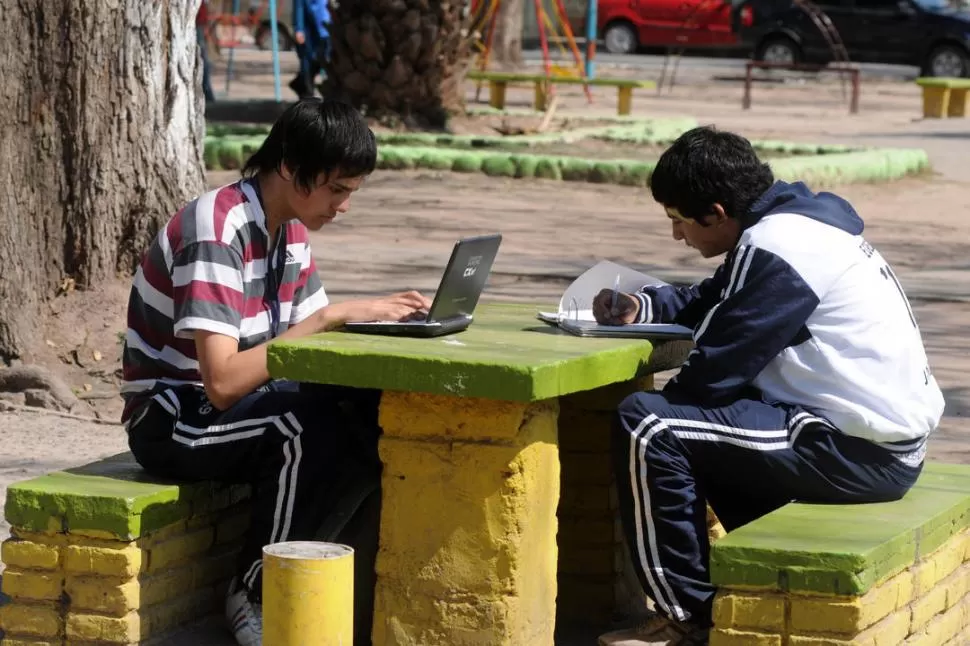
(454, 303)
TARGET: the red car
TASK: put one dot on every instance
(625, 25)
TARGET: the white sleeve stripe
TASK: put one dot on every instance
(185, 327)
(165, 246)
(235, 220)
(254, 269)
(702, 328)
(738, 258)
(739, 272)
(744, 270)
(209, 272)
(151, 296)
(255, 325)
(167, 354)
(315, 301)
(205, 208)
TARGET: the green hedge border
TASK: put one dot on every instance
(228, 145)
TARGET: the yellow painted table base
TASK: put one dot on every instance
(496, 517)
(468, 521)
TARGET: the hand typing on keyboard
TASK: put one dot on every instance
(414, 317)
(397, 308)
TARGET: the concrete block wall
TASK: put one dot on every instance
(85, 583)
(927, 604)
(881, 574)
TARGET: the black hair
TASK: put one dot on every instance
(704, 167)
(314, 137)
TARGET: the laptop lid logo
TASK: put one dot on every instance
(472, 266)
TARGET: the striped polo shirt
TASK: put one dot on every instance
(212, 268)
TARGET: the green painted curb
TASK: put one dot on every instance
(506, 354)
(845, 549)
(497, 156)
(874, 165)
(629, 172)
(640, 131)
(114, 496)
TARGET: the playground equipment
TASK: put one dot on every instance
(224, 30)
(692, 23)
(742, 15)
(553, 26)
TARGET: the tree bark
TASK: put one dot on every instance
(101, 132)
(507, 41)
(400, 57)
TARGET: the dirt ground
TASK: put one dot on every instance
(402, 226)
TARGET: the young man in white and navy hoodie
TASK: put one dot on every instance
(808, 380)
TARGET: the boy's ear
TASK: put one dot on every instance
(719, 214)
(286, 173)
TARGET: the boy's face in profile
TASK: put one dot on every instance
(330, 196)
(716, 235)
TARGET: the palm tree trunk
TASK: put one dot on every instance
(405, 58)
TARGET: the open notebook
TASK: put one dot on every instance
(575, 313)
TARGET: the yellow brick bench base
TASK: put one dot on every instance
(100, 555)
(859, 575)
(944, 97)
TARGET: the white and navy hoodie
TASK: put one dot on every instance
(807, 311)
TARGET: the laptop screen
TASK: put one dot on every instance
(465, 276)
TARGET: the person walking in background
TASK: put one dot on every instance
(311, 27)
(201, 20)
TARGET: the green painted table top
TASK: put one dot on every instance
(845, 549)
(506, 354)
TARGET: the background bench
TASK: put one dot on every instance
(944, 97)
(832, 575)
(499, 81)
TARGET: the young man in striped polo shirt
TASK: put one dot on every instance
(808, 379)
(230, 271)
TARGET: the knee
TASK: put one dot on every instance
(639, 420)
(636, 409)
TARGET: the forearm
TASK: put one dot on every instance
(663, 304)
(243, 372)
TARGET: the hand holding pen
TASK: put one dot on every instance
(613, 307)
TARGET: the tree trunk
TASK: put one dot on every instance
(507, 41)
(101, 130)
(400, 57)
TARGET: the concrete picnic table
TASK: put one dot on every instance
(496, 511)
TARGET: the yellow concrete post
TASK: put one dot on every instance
(542, 96)
(624, 98)
(496, 94)
(958, 103)
(308, 594)
(468, 522)
(935, 101)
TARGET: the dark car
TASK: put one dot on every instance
(931, 34)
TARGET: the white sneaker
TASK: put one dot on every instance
(245, 617)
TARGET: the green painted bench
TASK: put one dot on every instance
(944, 97)
(886, 573)
(103, 554)
(499, 81)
